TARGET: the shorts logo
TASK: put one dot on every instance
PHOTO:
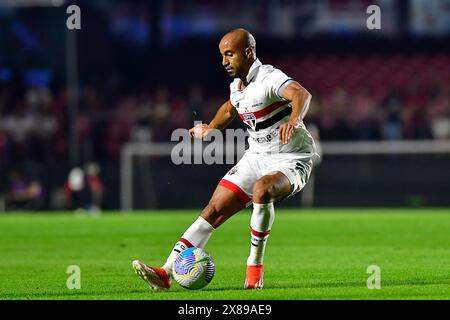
(299, 167)
(249, 119)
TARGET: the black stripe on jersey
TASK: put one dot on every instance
(274, 119)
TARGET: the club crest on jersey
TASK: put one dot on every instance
(249, 119)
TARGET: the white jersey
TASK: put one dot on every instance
(263, 110)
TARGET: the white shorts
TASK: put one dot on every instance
(252, 166)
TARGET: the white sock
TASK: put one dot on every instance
(197, 235)
(260, 224)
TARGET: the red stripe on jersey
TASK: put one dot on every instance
(264, 112)
(239, 192)
(189, 245)
(259, 234)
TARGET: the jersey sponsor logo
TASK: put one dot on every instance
(266, 138)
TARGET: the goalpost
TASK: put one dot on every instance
(136, 163)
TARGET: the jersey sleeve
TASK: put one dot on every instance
(274, 81)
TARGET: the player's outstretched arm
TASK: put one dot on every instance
(300, 99)
(222, 119)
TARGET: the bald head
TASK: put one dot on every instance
(240, 39)
(238, 49)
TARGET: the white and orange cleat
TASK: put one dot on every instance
(156, 278)
(254, 278)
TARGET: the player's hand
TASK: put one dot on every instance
(199, 131)
(286, 130)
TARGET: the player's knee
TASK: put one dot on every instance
(262, 191)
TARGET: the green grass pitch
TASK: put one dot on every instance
(311, 254)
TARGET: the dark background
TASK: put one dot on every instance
(145, 68)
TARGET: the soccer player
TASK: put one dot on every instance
(276, 165)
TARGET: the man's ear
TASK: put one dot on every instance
(249, 52)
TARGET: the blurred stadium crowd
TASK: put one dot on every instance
(375, 98)
(356, 95)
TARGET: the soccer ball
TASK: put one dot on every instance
(193, 268)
